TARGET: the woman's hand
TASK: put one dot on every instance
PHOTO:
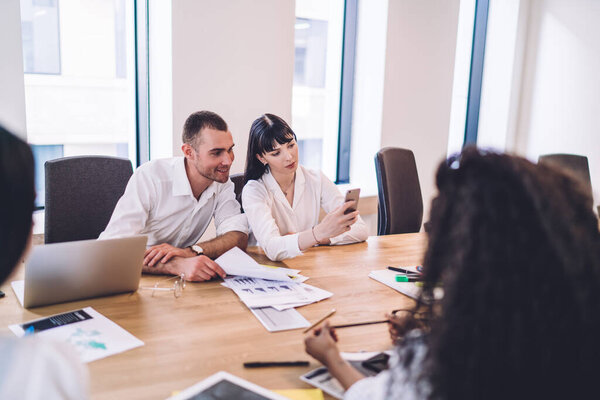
(336, 222)
(321, 344)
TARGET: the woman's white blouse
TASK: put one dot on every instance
(276, 225)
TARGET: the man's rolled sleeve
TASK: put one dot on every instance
(228, 216)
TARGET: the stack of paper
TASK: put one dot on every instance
(257, 293)
(411, 289)
(236, 262)
(270, 292)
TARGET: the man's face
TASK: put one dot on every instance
(212, 154)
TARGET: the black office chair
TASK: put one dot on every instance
(238, 183)
(81, 194)
(400, 199)
(577, 166)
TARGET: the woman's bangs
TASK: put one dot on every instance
(267, 142)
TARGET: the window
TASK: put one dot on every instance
(80, 79)
(41, 47)
(319, 40)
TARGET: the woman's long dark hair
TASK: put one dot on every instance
(264, 132)
(17, 196)
(517, 248)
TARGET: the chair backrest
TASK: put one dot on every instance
(81, 194)
(238, 183)
(574, 164)
(400, 199)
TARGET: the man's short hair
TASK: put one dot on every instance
(198, 121)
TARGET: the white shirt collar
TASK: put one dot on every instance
(273, 186)
(181, 183)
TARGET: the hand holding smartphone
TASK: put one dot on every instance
(352, 195)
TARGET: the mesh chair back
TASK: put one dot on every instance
(238, 183)
(400, 199)
(81, 194)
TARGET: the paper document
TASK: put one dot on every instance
(276, 321)
(256, 293)
(388, 278)
(19, 288)
(316, 294)
(92, 334)
(301, 394)
(236, 262)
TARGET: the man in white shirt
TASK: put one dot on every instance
(173, 200)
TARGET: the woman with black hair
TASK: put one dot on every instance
(29, 368)
(517, 249)
(282, 199)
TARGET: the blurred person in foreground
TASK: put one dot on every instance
(30, 368)
(516, 248)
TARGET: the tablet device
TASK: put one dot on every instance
(223, 385)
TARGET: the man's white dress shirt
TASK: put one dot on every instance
(158, 202)
(276, 225)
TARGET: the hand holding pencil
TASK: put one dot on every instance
(321, 343)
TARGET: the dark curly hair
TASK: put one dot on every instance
(517, 249)
(17, 196)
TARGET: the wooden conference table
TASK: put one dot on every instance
(208, 329)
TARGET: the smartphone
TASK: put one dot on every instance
(377, 363)
(352, 195)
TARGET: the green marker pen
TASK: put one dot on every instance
(405, 278)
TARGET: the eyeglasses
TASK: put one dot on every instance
(416, 315)
(177, 288)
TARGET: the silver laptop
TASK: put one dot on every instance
(55, 273)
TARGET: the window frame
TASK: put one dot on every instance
(346, 91)
(476, 74)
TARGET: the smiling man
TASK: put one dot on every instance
(173, 200)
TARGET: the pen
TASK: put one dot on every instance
(319, 321)
(260, 364)
(383, 321)
(404, 271)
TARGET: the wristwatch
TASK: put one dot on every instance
(197, 249)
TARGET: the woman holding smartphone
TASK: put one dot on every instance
(282, 199)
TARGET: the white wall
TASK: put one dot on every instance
(560, 93)
(421, 44)
(12, 89)
(235, 58)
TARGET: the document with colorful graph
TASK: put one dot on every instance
(92, 334)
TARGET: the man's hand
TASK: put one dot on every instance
(162, 253)
(199, 268)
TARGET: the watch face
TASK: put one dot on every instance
(197, 249)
